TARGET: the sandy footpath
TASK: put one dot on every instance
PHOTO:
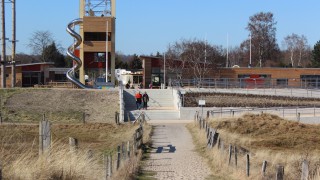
(173, 155)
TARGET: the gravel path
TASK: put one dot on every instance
(173, 155)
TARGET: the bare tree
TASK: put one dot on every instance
(263, 37)
(174, 64)
(302, 48)
(235, 56)
(297, 48)
(39, 41)
(195, 55)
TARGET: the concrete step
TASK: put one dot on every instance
(155, 114)
(157, 98)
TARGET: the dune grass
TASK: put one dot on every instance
(20, 160)
(267, 137)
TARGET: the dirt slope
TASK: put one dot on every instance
(63, 105)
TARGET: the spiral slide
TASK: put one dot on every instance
(71, 72)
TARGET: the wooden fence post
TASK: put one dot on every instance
(134, 144)
(222, 146)
(0, 170)
(209, 138)
(208, 131)
(235, 156)
(128, 149)
(280, 172)
(73, 143)
(264, 168)
(108, 166)
(44, 136)
(89, 154)
(248, 165)
(40, 138)
(208, 114)
(119, 157)
(230, 153)
(214, 139)
(305, 170)
(123, 151)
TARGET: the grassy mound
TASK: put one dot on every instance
(59, 105)
(271, 132)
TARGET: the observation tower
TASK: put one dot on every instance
(97, 51)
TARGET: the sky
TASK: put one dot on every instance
(146, 27)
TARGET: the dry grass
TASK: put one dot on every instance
(64, 108)
(244, 100)
(59, 105)
(269, 138)
(19, 151)
(270, 131)
(60, 163)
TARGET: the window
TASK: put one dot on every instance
(282, 82)
(100, 57)
(310, 80)
(60, 78)
(96, 36)
(137, 79)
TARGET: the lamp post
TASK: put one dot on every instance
(164, 70)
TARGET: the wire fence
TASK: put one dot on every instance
(247, 163)
(303, 114)
(260, 82)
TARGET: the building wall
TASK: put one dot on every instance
(95, 24)
(292, 74)
(146, 65)
(9, 77)
(276, 73)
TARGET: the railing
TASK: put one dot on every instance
(61, 85)
(240, 158)
(304, 114)
(122, 103)
(251, 83)
(141, 118)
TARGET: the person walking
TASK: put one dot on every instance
(138, 97)
(145, 99)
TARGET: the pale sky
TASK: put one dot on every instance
(148, 26)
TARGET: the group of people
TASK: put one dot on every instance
(140, 86)
(142, 100)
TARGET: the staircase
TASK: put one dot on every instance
(160, 105)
